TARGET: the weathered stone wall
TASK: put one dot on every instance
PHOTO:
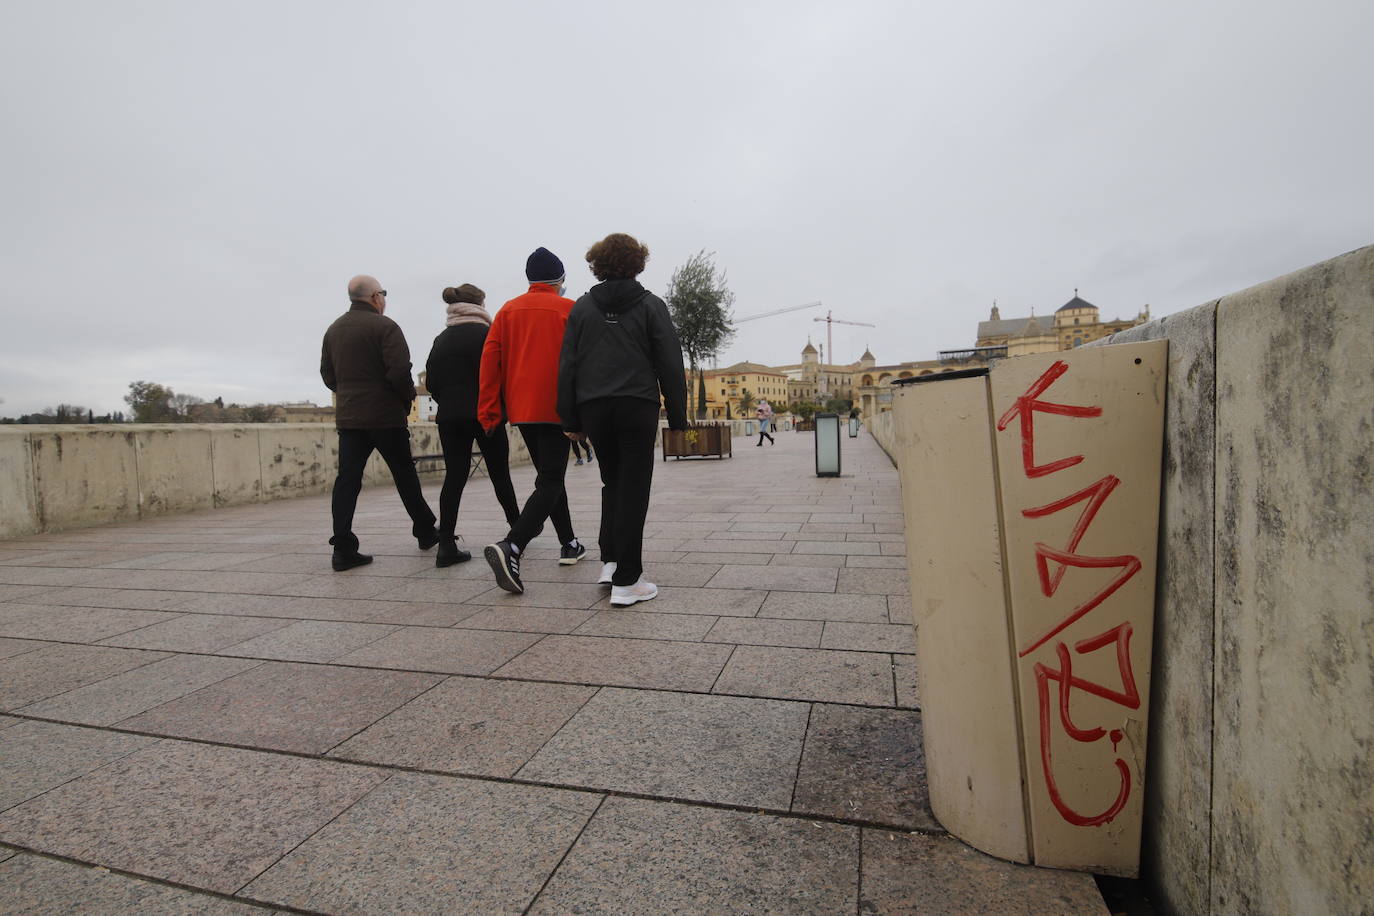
(59, 477)
(1261, 769)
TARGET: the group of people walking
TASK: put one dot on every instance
(564, 373)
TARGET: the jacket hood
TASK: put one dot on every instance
(616, 295)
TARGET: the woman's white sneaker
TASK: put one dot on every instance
(622, 595)
(607, 573)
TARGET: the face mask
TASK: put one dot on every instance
(562, 288)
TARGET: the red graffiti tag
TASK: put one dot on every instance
(1128, 696)
(1025, 409)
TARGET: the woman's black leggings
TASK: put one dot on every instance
(457, 438)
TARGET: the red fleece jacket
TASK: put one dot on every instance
(520, 359)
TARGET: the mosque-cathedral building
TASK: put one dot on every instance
(869, 385)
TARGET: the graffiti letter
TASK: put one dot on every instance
(1024, 409)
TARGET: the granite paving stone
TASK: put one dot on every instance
(811, 560)
(878, 562)
(12, 647)
(904, 670)
(631, 624)
(71, 624)
(809, 674)
(447, 650)
(874, 582)
(469, 725)
(123, 695)
(36, 756)
(899, 609)
(572, 595)
(440, 591)
(865, 764)
(726, 750)
(57, 668)
(868, 637)
(310, 640)
(427, 844)
(721, 602)
(914, 873)
(836, 548)
(720, 558)
(742, 542)
(21, 592)
(285, 706)
(582, 573)
(753, 631)
(125, 598)
(526, 619)
(196, 633)
(790, 578)
(339, 585)
(651, 858)
(244, 605)
(39, 886)
(811, 606)
(620, 662)
(209, 817)
(353, 610)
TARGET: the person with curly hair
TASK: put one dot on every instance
(451, 375)
(620, 354)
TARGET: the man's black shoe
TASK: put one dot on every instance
(569, 554)
(449, 553)
(428, 539)
(342, 561)
(506, 564)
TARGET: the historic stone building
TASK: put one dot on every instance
(1073, 324)
(726, 386)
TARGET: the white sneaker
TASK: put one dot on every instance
(607, 572)
(622, 595)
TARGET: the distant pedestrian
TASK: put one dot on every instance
(620, 355)
(452, 377)
(765, 418)
(579, 447)
(520, 369)
(366, 363)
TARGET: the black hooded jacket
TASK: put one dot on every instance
(620, 342)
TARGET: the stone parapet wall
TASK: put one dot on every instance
(1262, 734)
(60, 477)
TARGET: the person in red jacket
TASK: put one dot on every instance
(520, 370)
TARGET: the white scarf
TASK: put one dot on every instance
(467, 313)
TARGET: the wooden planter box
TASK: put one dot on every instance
(805, 426)
(698, 442)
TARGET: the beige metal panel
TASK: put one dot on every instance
(943, 449)
(1079, 441)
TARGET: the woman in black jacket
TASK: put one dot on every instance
(451, 374)
(620, 351)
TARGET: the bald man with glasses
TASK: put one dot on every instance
(366, 363)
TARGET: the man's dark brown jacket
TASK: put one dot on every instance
(367, 364)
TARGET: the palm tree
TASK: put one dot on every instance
(746, 402)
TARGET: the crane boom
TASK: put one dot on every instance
(830, 321)
(790, 308)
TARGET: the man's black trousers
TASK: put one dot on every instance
(457, 438)
(355, 447)
(623, 430)
(548, 449)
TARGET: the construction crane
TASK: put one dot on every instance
(830, 322)
(790, 308)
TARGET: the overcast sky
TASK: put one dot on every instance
(188, 186)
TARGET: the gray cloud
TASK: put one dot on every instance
(189, 186)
